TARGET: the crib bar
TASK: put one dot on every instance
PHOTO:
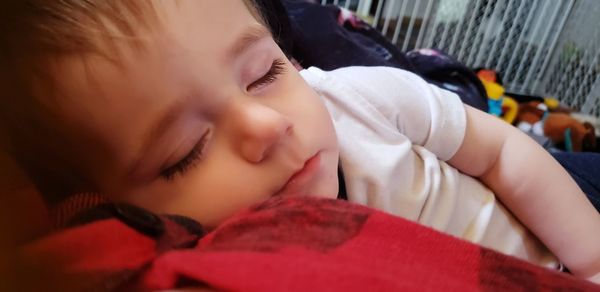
(442, 44)
(534, 44)
(488, 62)
(485, 47)
(388, 17)
(572, 86)
(411, 24)
(592, 100)
(433, 30)
(576, 89)
(399, 22)
(377, 13)
(463, 44)
(513, 30)
(424, 23)
(553, 44)
(364, 6)
(521, 69)
(563, 84)
(536, 59)
(478, 37)
(586, 79)
(520, 41)
(456, 33)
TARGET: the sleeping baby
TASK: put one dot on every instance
(190, 107)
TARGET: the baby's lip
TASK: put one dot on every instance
(299, 179)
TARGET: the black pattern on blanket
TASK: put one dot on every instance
(284, 244)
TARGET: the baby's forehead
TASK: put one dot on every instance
(85, 30)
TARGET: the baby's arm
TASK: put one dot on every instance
(535, 188)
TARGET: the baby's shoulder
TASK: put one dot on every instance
(375, 82)
(359, 74)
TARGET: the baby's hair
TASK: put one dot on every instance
(35, 33)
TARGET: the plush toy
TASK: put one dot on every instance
(559, 127)
(499, 105)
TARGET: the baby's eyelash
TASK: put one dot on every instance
(277, 68)
(188, 161)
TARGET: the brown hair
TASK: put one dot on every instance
(32, 34)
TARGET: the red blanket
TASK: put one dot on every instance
(302, 244)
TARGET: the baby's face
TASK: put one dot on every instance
(207, 118)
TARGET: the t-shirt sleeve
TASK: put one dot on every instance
(428, 115)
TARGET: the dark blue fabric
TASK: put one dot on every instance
(321, 39)
(584, 167)
(446, 72)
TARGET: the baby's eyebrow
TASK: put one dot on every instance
(247, 39)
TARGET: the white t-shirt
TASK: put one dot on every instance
(395, 133)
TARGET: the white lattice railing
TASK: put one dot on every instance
(541, 47)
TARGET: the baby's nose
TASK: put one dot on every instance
(262, 129)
